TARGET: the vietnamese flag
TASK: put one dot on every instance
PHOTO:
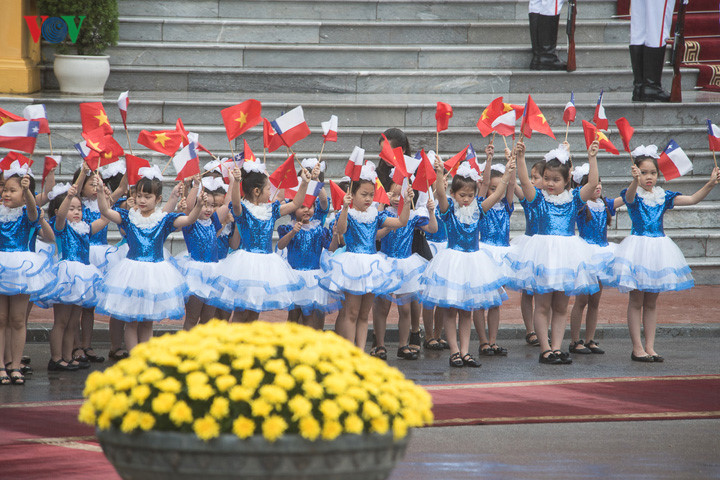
(425, 174)
(381, 195)
(39, 114)
(386, 152)
(271, 140)
(713, 136)
(330, 129)
(599, 117)
(92, 116)
(51, 163)
(109, 149)
(20, 135)
(186, 162)
(626, 132)
(123, 102)
(570, 112)
(452, 164)
(241, 117)
(6, 117)
(337, 195)
(401, 170)
(534, 120)
(591, 133)
(12, 157)
(133, 164)
(443, 114)
(355, 163)
(284, 176)
(291, 127)
(248, 154)
(494, 110)
(163, 141)
(89, 156)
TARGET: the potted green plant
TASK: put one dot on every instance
(81, 31)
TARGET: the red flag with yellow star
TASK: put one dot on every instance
(248, 154)
(241, 117)
(494, 110)
(163, 141)
(285, 176)
(443, 114)
(6, 117)
(109, 149)
(93, 116)
(534, 120)
(591, 133)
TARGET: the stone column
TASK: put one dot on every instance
(19, 55)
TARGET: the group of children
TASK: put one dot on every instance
(438, 256)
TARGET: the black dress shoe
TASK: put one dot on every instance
(551, 359)
(579, 347)
(644, 359)
(563, 356)
(59, 367)
(469, 361)
(658, 358)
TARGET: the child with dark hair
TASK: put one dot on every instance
(593, 220)
(647, 262)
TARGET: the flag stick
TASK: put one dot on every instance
(232, 151)
(492, 139)
(505, 140)
(567, 127)
(50, 142)
(128, 139)
(166, 165)
(714, 159)
(264, 153)
(322, 149)
(437, 142)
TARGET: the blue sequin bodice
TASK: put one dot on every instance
(595, 230)
(257, 232)
(90, 213)
(463, 236)
(441, 235)
(495, 229)
(145, 242)
(16, 229)
(556, 218)
(398, 242)
(305, 248)
(201, 239)
(647, 216)
(531, 227)
(71, 244)
(362, 229)
(223, 240)
(320, 213)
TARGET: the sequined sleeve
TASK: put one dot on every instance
(276, 210)
(168, 226)
(610, 202)
(577, 199)
(284, 230)
(450, 210)
(623, 193)
(326, 238)
(125, 217)
(217, 224)
(670, 199)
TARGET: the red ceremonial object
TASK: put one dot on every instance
(271, 140)
(13, 156)
(591, 133)
(452, 164)
(386, 151)
(92, 116)
(163, 141)
(381, 195)
(284, 176)
(401, 171)
(337, 195)
(241, 117)
(133, 164)
(494, 110)
(49, 165)
(6, 117)
(534, 120)
(425, 174)
(443, 114)
(248, 154)
(626, 132)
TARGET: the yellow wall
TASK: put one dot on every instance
(19, 55)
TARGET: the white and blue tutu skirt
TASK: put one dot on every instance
(554, 263)
(463, 280)
(255, 281)
(76, 284)
(607, 255)
(313, 298)
(436, 247)
(26, 273)
(410, 270)
(135, 291)
(199, 276)
(104, 257)
(650, 264)
(499, 255)
(359, 273)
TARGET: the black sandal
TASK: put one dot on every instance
(486, 352)
(456, 360)
(445, 345)
(379, 352)
(18, 379)
(592, 345)
(469, 361)
(563, 356)
(415, 341)
(118, 354)
(407, 353)
(93, 357)
(61, 365)
(498, 350)
(551, 359)
(535, 342)
(4, 377)
(429, 345)
(580, 347)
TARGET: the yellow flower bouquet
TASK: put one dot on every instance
(254, 379)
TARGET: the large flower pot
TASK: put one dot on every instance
(82, 74)
(155, 455)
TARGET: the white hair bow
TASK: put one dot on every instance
(115, 168)
(58, 190)
(368, 172)
(309, 164)
(646, 151)
(17, 169)
(499, 167)
(258, 167)
(151, 173)
(580, 172)
(212, 165)
(214, 183)
(465, 170)
(560, 153)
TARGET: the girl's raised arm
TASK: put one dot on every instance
(404, 216)
(632, 189)
(528, 189)
(499, 192)
(42, 198)
(235, 191)
(175, 195)
(341, 225)
(432, 225)
(485, 184)
(702, 193)
(105, 209)
(440, 186)
(189, 219)
(29, 198)
(593, 178)
(287, 208)
(120, 190)
(62, 211)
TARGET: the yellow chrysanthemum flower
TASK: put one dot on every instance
(240, 394)
(303, 373)
(196, 379)
(243, 363)
(309, 428)
(347, 403)
(130, 421)
(354, 424)
(243, 427)
(264, 353)
(260, 408)
(187, 366)
(400, 428)
(276, 366)
(217, 369)
(370, 410)
(331, 429)
(300, 406)
(87, 413)
(206, 428)
(140, 393)
(252, 378)
(118, 405)
(100, 398)
(285, 381)
(225, 382)
(147, 422)
(313, 390)
(104, 421)
(200, 392)
(151, 375)
(380, 424)
(220, 408)
(163, 403)
(330, 409)
(389, 403)
(273, 394)
(169, 384)
(181, 413)
(273, 427)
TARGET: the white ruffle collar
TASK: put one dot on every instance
(138, 220)
(91, 205)
(10, 214)
(368, 216)
(80, 227)
(261, 212)
(204, 222)
(653, 198)
(499, 205)
(562, 199)
(469, 214)
(596, 205)
(226, 230)
(310, 225)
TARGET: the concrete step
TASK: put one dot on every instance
(407, 10)
(439, 82)
(351, 30)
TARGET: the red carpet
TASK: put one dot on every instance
(578, 400)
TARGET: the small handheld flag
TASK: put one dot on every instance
(381, 195)
(534, 120)
(443, 114)
(133, 164)
(673, 161)
(19, 135)
(37, 112)
(337, 195)
(330, 129)
(505, 124)
(713, 136)
(355, 163)
(284, 176)
(92, 116)
(51, 163)
(292, 126)
(123, 102)
(570, 112)
(186, 162)
(599, 118)
(626, 132)
(14, 157)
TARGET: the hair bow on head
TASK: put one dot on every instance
(580, 172)
(212, 165)
(645, 151)
(151, 173)
(309, 164)
(214, 183)
(498, 167)
(344, 179)
(115, 168)
(367, 172)
(465, 170)
(560, 153)
(58, 190)
(258, 167)
(17, 169)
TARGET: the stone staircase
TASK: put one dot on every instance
(380, 64)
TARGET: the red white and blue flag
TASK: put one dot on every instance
(570, 112)
(19, 135)
(330, 129)
(292, 126)
(599, 118)
(355, 163)
(39, 114)
(713, 136)
(123, 102)
(673, 162)
(313, 190)
(186, 162)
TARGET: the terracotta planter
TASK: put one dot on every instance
(171, 455)
(82, 74)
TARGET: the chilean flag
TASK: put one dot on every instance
(471, 158)
(123, 102)
(292, 126)
(186, 162)
(38, 113)
(713, 136)
(569, 112)
(599, 118)
(330, 129)
(355, 163)
(673, 162)
(19, 135)
(313, 190)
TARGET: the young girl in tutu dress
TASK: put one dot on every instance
(144, 287)
(254, 279)
(647, 262)
(463, 278)
(359, 273)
